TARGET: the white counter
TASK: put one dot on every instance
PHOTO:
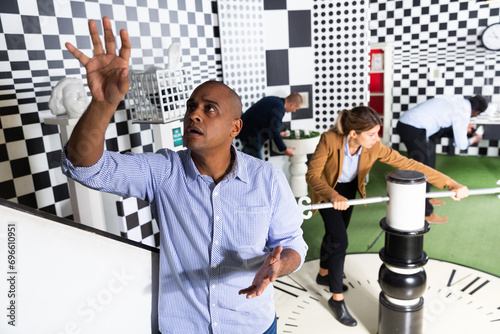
(486, 119)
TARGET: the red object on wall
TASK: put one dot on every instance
(377, 103)
(376, 87)
(377, 82)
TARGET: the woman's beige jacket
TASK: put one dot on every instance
(325, 166)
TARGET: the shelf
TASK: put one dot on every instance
(380, 86)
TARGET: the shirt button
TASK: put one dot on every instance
(216, 193)
(216, 242)
(213, 286)
(217, 218)
(215, 324)
(214, 266)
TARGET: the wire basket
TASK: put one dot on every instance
(159, 96)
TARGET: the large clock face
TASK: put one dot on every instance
(458, 299)
(491, 37)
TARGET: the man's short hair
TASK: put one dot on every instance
(294, 98)
(478, 103)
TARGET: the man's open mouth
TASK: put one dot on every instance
(194, 130)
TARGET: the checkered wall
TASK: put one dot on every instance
(438, 34)
(317, 47)
(289, 56)
(136, 221)
(33, 59)
(320, 47)
(266, 50)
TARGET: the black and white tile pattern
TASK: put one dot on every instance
(258, 47)
(33, 59)
(443, 35)
(136, 221)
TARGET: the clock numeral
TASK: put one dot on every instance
(297, 286)
(469, 285)
(479, 287)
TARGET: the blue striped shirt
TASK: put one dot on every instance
(214, 237)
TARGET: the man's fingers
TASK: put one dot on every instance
(126, 47)
(252, 291)
(273, 275)
(109, 38)
(277, 252)
(83, 59)
(265, 275)
(248, 290)
(96, 40)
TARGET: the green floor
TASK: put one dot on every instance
(471, 237)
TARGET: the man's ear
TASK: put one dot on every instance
(353, 134)
(236, 126)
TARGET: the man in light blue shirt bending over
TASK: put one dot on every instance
(421, 126)
(229, 223)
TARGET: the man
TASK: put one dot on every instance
(227, 220)
(263, 121)
(422, 126)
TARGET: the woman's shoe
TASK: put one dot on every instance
(341, 313)
(324, 280)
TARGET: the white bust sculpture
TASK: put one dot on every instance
(174, 56)
(69, 96)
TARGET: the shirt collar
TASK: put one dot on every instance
(239, 168)
(190, 168)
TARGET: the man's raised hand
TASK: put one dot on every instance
(107, 73)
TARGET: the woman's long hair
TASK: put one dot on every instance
(359, 119)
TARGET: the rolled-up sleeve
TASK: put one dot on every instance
(121, 174)
(460, 124)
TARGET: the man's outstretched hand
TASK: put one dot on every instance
(266, 274)
(107, 77)
(107, 73)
